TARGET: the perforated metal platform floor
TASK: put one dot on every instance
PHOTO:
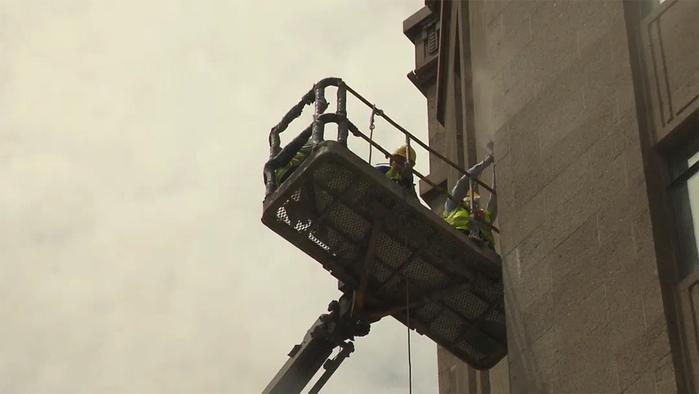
(352, 219)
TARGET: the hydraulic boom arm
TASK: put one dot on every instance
(334, 329)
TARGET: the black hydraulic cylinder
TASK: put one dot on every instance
(331, 366)
(304, 361)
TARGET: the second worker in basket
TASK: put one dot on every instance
(476, 224)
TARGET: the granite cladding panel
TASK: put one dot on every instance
(681, 57)
(580, 266)
(582, 294)
(665, 376)
(644, 352)
(583, 363)
(437, 139)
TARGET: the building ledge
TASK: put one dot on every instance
(424, 76)
(412, 25)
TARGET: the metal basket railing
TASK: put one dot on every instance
(315, 132)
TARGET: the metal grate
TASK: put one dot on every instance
(424, 274)
(447, 326)
(428, 312)
(381, 272)
(333, 178)
(468, 304)
(468, 349)
(392, 253)
(341, 217)
(329, 208)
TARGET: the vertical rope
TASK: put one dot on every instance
(407, 153)
(371, 130)
(407, 323)
(405, 225)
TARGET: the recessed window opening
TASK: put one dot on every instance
(685, 195)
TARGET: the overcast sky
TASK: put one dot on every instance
(132, 139)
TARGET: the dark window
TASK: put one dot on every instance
(685, 191)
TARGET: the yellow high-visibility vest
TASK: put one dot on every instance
(459, 219)
(295, 161)
(394, 175)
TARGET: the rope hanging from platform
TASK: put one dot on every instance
(407, 324)
(371, 130)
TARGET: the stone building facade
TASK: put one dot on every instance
(593, 108)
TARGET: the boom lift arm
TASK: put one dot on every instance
(363, 229)
(334, 329)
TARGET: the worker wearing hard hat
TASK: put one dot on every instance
(399, 169)
(468, 216)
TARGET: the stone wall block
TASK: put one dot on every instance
(643, 353)
(505, 194)
(564, 137)
(545, 350)
(538, 317)
(502, 139)
(537, 365)
(571, 147)
(533, 283)
(579, 312)
(587, 274)
(551, 49)
(537, 64)
(652, 299)
(618, 210)
(603, 178)
(515, 33)
(567, 117)
(625, 104)
(493, 9)
(529, 180)
(596, 20)
(633, 168)
(584, 364)
(598, 71)
(574, 194)
(494, 33)
(532, 249)
(644, 384)
(575, 251)
(619, 253)
(580, 189)
(495, 93)
(665, 377)
(642, 230)
(448, 358)
(543, 208)
(572, 78)
(437, 139)
(537, 265)
(519, 377)
(518, 95)
(625, 306)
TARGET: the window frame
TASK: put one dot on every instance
(687, 244)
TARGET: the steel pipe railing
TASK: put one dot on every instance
(422, 144)
(355, 131)
(315, 132)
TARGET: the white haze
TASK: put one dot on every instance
(132, 139)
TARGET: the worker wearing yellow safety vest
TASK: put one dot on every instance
(399, 168)
(475, 224)
(285, 171)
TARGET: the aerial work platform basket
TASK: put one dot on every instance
(399, 257)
